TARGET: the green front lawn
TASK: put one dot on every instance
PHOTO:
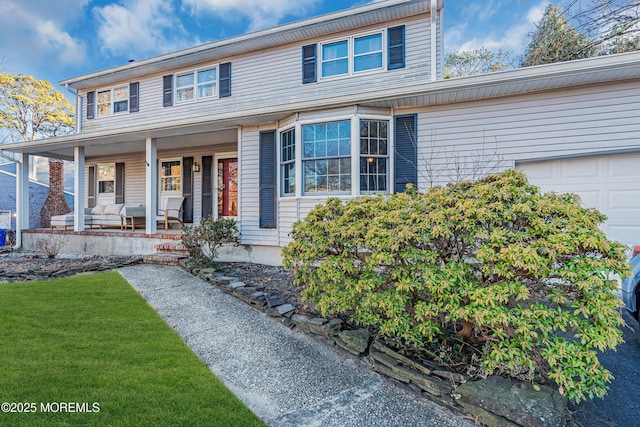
(93, 341)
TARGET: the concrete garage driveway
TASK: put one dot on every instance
(621, 406)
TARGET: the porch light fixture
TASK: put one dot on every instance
(195, 167)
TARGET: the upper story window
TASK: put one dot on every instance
(203, 83)
(335, 59)
(367, 53)
(355, 54)
(118, 99)
(198, 84)
(114, 100)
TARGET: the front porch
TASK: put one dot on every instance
(102, 242)
(126, 242)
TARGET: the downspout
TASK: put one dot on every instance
(434, 39)
(78, 107)
(18, 242)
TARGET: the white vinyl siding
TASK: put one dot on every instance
(454, 139)
(284, 64)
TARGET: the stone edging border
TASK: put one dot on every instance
(36, 274)
(494, 402)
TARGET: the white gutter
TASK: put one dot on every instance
(11, 159)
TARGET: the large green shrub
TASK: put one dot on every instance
(204, 240)
(521, 280)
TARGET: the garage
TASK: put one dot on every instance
(609, 183)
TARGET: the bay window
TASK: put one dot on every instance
(331, 154)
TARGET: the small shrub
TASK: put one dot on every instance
(519, 281)
(51, 245)
(204, 240)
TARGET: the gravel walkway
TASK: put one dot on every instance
(286, 377)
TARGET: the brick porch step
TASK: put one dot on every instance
(173, 248)
(163, 258)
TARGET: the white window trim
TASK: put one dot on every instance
(166, 160)
(194, 71)
(294, 161)
(351, 55)
(112, 95)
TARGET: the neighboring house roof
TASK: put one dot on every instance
(368, 14)
(38, 192)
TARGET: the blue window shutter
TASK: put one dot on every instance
(91, 106)
(207, 186)
(167, 90)
(119, 182)
(395, 36)
(91, 189)
(134, 90)
(267, 189)
(406, 152)
(309, 63)
(225, 79)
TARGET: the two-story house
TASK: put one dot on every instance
(266, 125)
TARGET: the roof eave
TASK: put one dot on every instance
(299, 30)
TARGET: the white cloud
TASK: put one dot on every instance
(139, 28)
(260, 13)
(512, 38)
(35, 32)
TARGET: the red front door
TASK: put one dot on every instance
(227, 187)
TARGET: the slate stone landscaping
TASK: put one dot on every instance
(28, 266)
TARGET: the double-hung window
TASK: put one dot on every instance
(374, 156)
(367, 53)
(288, 161)
(353, 55)
(114, 100)
(198, 84)
(326, 152)
(335, 59)
(104, 102)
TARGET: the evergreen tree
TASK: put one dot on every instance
(556, 40)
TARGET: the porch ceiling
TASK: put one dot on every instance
(134, 142)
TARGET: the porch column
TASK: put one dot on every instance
(78, 189)
(22, 197)
(151, 185)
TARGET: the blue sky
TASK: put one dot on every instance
(59, 39)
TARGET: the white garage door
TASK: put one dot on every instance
(609, 183)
